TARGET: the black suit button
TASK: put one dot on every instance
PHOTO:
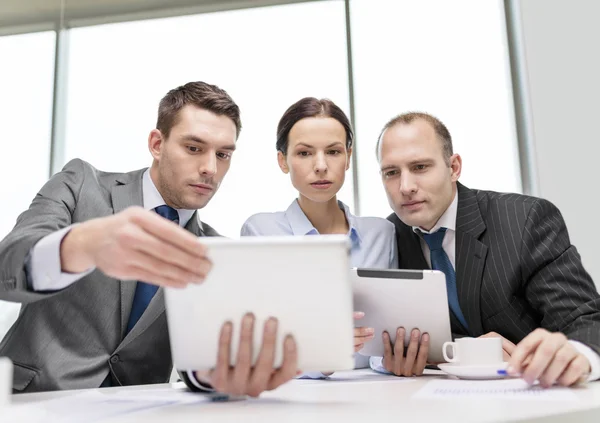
(114, 358)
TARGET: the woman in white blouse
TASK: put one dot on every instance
(314, 146)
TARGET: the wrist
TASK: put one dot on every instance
(74, 254)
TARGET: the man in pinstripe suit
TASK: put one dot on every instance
(517, 274)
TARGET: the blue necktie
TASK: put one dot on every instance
(441, 261)
(145, 291)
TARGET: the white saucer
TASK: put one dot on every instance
(480, 371)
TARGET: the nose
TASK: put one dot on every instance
(407, 184)
(208, 167)
(320, 163)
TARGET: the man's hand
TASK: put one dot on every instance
(361, 334)
(507, 346)
(415, 360)
(136, 244)
(243, 379)
(549, 358)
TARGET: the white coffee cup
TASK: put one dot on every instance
(474, 351)
(6, 380)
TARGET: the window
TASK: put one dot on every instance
(266, 59)
(449, 59)
(26, 84)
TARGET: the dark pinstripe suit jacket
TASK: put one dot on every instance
(516, 269)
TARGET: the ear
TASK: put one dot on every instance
(281, 159)
(348, 158)
(455, 167)
(155, 142)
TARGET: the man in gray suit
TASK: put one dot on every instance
(510, 268)
(86, 260)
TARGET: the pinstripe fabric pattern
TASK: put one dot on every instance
(516, 269)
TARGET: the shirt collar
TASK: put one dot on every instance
(301, 225)
(153, 199)
(448, 219)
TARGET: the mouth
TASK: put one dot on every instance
(202, 189)
(412, 205)
(321, 184)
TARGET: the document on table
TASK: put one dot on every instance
(484, 389)
(99, 405)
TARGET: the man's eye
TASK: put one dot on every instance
(193, 149)
(224, 156)
(390, 173)
(420, 167)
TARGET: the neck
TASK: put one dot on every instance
(327, 217)
(431, 226)
(156, 182)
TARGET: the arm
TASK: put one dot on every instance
(556, 284)
(50, 211)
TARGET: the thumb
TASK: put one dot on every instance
(358, 315)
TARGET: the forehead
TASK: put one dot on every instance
(407, 142)
(204, 124)
(315, 130)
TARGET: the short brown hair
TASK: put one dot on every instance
(310, 107)
(200, 94)
(439, 128)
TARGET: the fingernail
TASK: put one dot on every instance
(227, 328)
(425, 337)
(290, 345)
(510, 370)
(370, 331)
(271, 325)
(415, 334)
(248, 320)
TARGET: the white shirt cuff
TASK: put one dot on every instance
(201, 386)
(44, 272)
(376, 364)
(592, 357)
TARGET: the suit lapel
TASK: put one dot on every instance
(470, 258)
(127, 193)
(157, 304)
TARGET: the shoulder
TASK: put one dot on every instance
(516, 206)
(266, 224)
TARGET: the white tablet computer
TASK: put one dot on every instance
(408, 298)
(302, 281)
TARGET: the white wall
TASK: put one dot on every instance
(562, 45)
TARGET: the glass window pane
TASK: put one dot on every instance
(26, 85)
(447, 58)
(266, 58)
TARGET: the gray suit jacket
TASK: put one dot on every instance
(516, 269)
(72, 338)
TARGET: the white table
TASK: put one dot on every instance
(371, 398)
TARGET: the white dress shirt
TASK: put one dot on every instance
(448, 221)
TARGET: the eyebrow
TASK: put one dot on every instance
(302, 144)
(194, 138)
(411, 163)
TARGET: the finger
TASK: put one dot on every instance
(363, 332)
(358, 315)
(165, 253)
(508, 346)
(220, 375)
(411, 353)
(577, 371)
(241, 372)
(422, 355)
(558, 365)
(358, 347)
(289, 366)
(526, 347)
(388, 354)
(165, 270)
(264, 364)
(132, 272)
(543, 356)
(168, 232)
(399, 351)
(505, 355)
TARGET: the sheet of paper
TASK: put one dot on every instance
(99, 405)
(504, 389)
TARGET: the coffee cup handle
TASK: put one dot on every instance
(453, 346)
